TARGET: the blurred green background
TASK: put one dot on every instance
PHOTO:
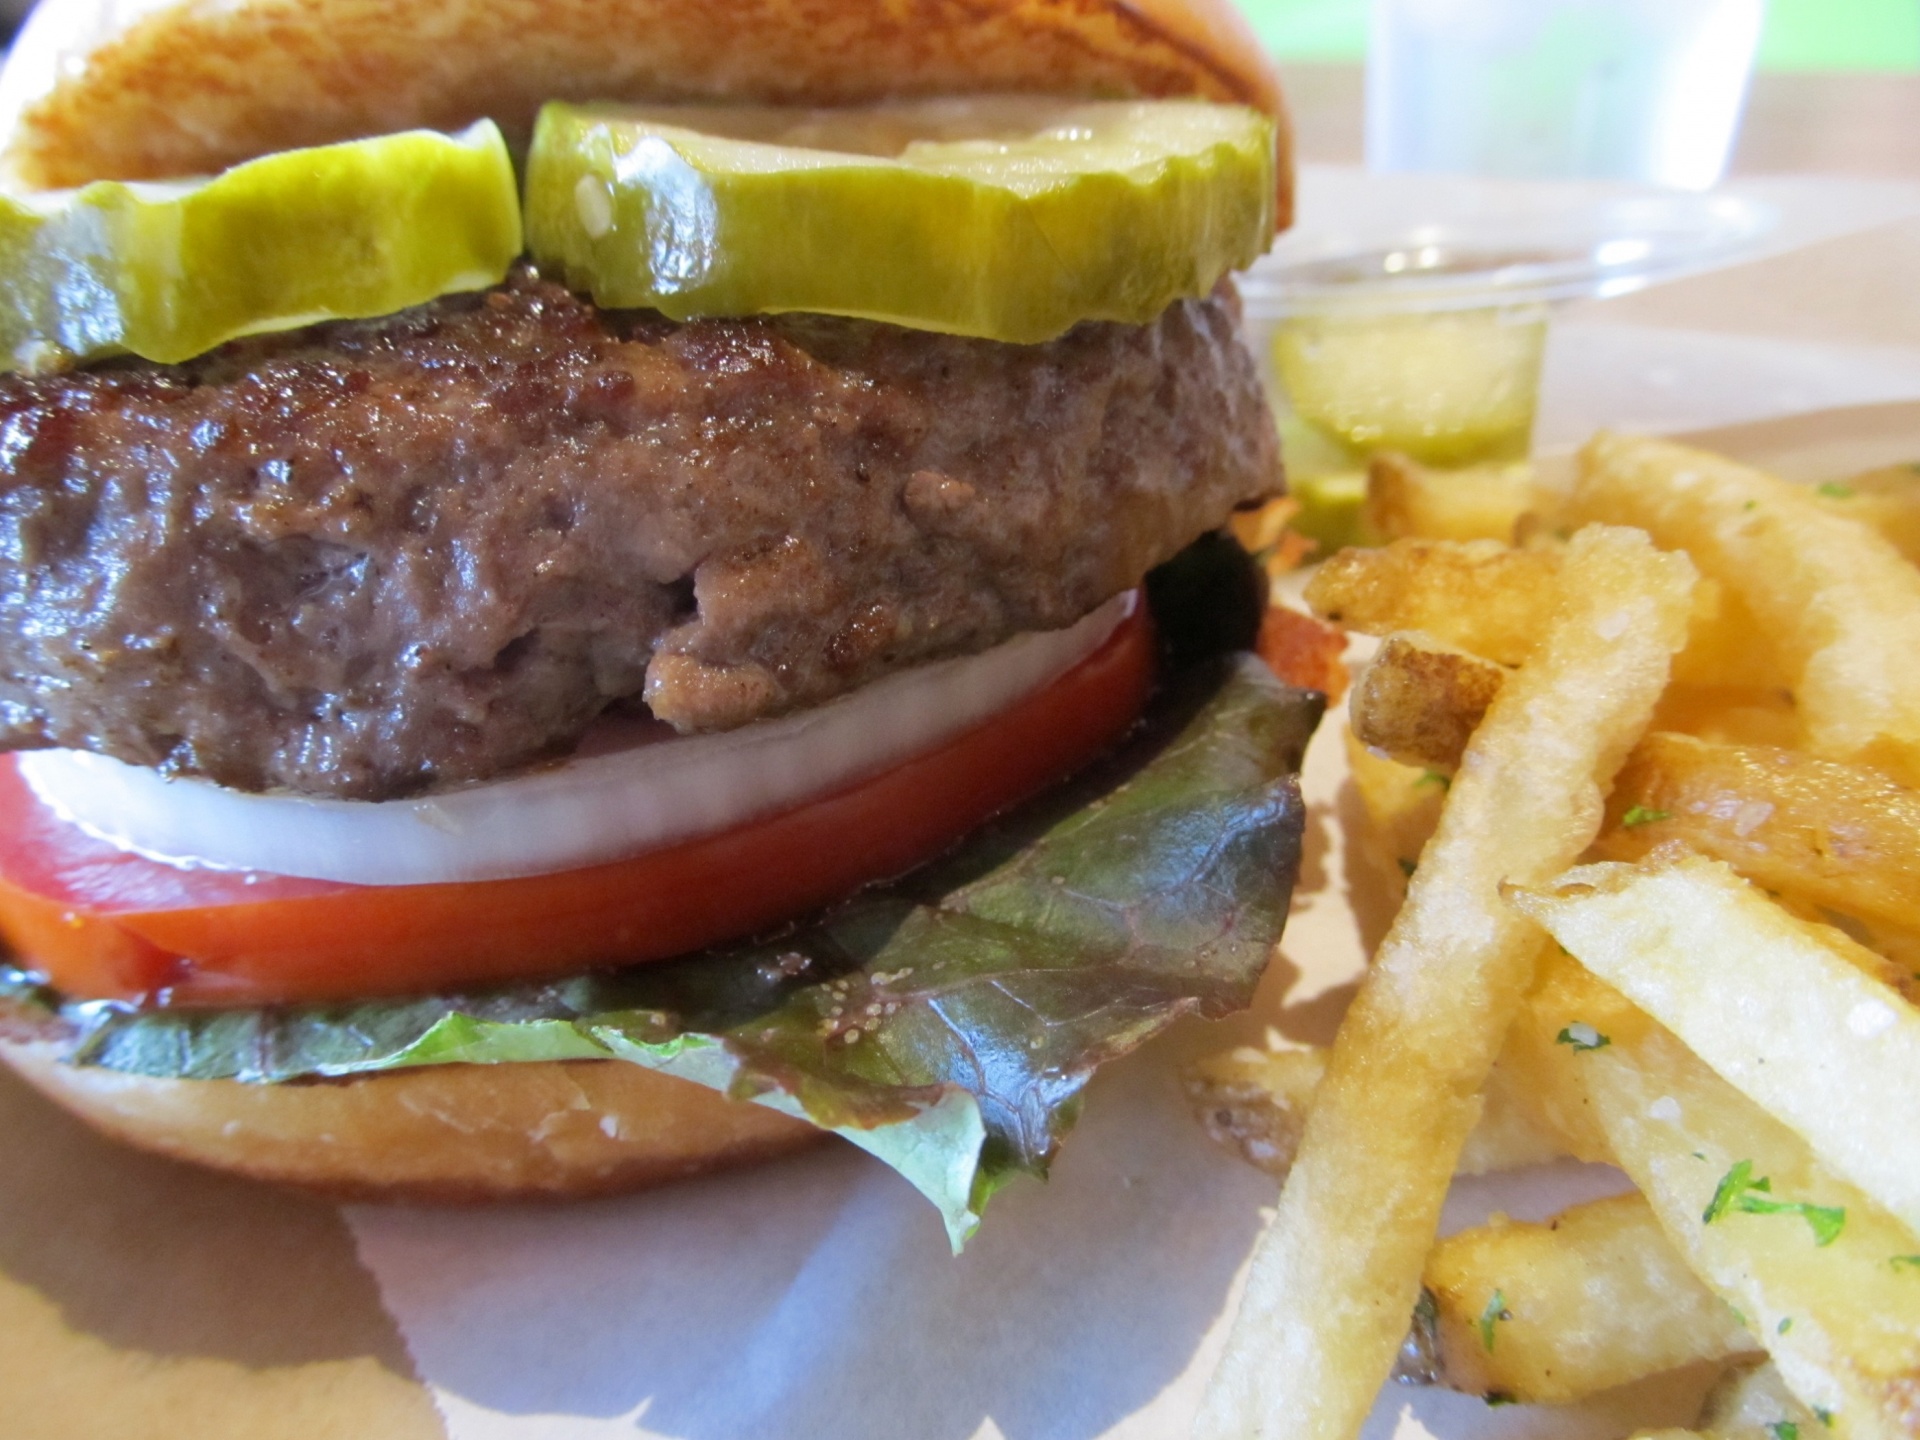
(1879, 35)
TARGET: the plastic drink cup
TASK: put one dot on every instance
(1643, 90)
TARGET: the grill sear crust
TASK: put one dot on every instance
(366, 560)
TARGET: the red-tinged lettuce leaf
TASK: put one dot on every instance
(947, 1023)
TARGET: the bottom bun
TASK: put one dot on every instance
(440, 1133)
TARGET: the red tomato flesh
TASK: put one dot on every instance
(104, 924)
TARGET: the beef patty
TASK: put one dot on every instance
(363, 560)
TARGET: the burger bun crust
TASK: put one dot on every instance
(155, 89)
(439, 1134)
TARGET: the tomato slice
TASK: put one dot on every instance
(1303, 651)
(100, 923)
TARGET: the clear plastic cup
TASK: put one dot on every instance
(1410, 313)
(1642, 90)
(1448, 388)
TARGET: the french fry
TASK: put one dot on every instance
(1795, 642)
(1820, 1274)
(1337, 1273)
(1596, 1297)
(1835, 599)
(1402, 804)
(1508, 1133)
(1841, 835)
(1420, 701)
(1551, 1313)
(1481, 502)
(1540, 1087)
(1784, 1011)
(1479, 596)
(1752, 1402)
(1548, 1087)
(1899, 946)
(1732, 715)
(1493, 601)
(1887, 500)
(1254, 1101)
(1726, 648)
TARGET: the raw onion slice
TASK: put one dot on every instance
(628, 791)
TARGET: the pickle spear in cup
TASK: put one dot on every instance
(1415, 317)
(1447, 388)
(1455, 388)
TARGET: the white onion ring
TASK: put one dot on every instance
(621, 796)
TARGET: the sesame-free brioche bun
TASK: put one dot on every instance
(439, 1133)
(153, 89)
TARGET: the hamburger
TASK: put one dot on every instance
(613, 596)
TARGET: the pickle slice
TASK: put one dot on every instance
(1005, 217)
(168, 271)
(1456, 388)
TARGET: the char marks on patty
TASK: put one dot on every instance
(364, 560)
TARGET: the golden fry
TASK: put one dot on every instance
(1791, 752)
(1556, 1312)
(1481, 502)
(1788, 1013)
(1547, 1086)
(1480, 596)
(1840, 835)
(1836, 600)
(1402, 804)
(1493, 601)
(1886, 500)
(1726, 649)
(1337, 1273)
(1818, 1271)
(1420, 702)
(1731, 714)
(1752, 1402)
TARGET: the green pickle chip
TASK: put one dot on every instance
(1453, 388)
(1009, 218)
(168, 271)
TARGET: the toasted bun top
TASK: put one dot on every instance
(149, 89)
